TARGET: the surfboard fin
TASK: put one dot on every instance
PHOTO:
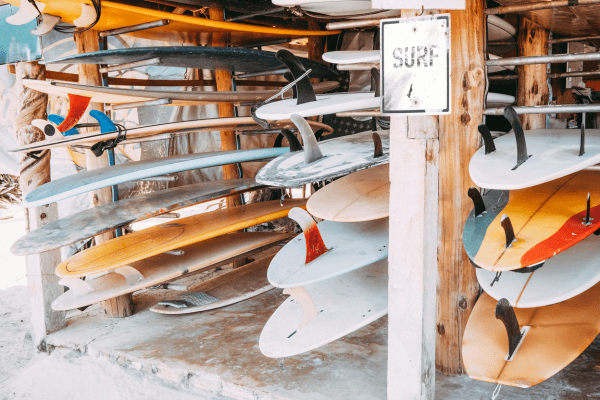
(375, 80)
(292, 140)
(77, 286)
(106, 125)
(587, 213)
(77, 107)
(131, 274)
(315, 246)
(506, 314)
(582, 141)
(478, 203)
(511, 115)
(508, 230)
(28, 11)
(312, 152)
(305, 91)
(87, 16)
(378, 151)
(46, 25)
(309, 310)
(488, 140)
(57, 120)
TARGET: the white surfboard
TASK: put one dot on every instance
(341, 156)
(351, 245)
(323, 312)
(326, 104)
(351, 56)
(331, 7)
(499, 29)
(562, 277)
(494, 68)
(554, 154)
(499, 100)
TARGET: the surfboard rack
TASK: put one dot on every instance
(315, 246)
(506, 314)
(378, 151)
(511, 115)
(488, 140)
(508, 230)
(478, 203)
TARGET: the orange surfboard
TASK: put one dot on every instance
(173, 235)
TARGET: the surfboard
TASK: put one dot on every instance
(361, 196)
(160, 268)
(545, 220)
(181, 29)
(499, 99)
(351, 56)
(100, 219)
(149, 242)
(557, 335)
(87, 181)
(226, 289)
(328, 249)
(203, 57)
(553, 154)
(320, 313)
(500, 30)
(562, 277)
(199, 125)
(494, 68)
(339, 8)
(327, 160)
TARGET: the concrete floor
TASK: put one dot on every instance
(215, 355)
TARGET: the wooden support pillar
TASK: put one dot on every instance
(532, 88)
(315, 43)
(89, 74)
(34, 172)
(458, 288)
(223, 83)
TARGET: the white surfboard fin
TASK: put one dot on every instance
(77, 286)
(488, 140)
(315, 246)
(378, 150)
(478, 203)
(46, 25)
(87, 17)
(132, 275)
(511, 115)
(307, 310)
(509, 232)
(506, 314)
(48, 127)
(312, 152)
(28, 11)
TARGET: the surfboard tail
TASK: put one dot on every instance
(315, 246)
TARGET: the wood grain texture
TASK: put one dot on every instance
(34, 172)
(532, 89)
(459, 139)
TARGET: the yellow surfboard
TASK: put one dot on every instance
(173, 235)
(182, 28)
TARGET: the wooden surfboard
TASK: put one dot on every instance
(199, 57)
(346, 246)
(320, 313)
(557, 335)
(100, 219)
(341, 156)
(173, 235)
(200, 125)
(546, 219)
(237, 285)
(160, 268)
(360, 196)
(562, 277)
(112, 95)
(181, 29)
(554, 153)
(87, 181)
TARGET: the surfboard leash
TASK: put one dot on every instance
(99, 148)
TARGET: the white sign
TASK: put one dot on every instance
(415, 65)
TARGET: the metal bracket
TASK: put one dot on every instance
(509, 233)
(77, 286)
(511, 115)
(478, 203)
(506, 314)
(488, 140)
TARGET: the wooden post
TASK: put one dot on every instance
(459, 139)
(34, 172)
(532, 88)
(223, 80)
(315, 43)
(89, 74)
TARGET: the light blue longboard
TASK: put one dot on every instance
(87, 181)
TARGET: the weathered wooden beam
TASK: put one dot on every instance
(459, 139)
(34, 172)
(89, 74)
(532, 88)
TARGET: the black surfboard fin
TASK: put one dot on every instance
(305, 91)
(378, 151)
(587, 213)
(508, 230)
(290, 78)
(506, 314)
(488, 140)
(478, 203)
(511, 115)
(292, 140)
(375, 79)
(582, 142)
